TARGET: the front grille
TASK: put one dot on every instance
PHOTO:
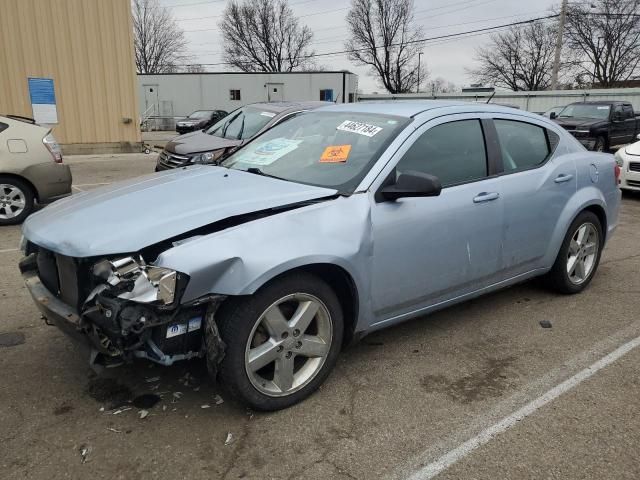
(172, 160)
(568, 127)
(62, 277)
(633, 183)
(634, 167)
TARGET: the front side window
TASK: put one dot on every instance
(523, 145)
(454, 152)
(628, 111)
(241, 124)
(327, 149)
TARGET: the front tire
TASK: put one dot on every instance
(281, 342)
(579, 255)
(16, 200)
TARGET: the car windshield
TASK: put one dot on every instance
(583, 110)
(200, 114)
(242, 123)
(327, 149)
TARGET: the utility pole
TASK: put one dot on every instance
(418, 87)
(556, 60)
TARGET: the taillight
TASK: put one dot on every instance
(53, 147)
(616, 170)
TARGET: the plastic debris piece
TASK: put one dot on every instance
(164, 408)
(230, 439)
(218, 399)
(120, 410)
(152, 379)
(84, 450)
(545, 324)
(143, 413)
(102, 409)
(114, 430)
(206, 405)
(176, 396)
(197, 389)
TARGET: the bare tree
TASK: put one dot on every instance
(440, 85)
(159, 43)
(383, 36)
(519, 59)
(265, 36)
(606, 34)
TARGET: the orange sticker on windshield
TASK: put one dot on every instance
(335, 154)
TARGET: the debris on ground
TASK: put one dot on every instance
(114, 430)
(176, 396)
(101, 409)
(143, 413)
(120, 410)
(152, 380)
(218, 399)
(164, 408)
(545, 324)
(146, 400)
(230, 439)
(206, 405)
(84, 452)
(109, 392)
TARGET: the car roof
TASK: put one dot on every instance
(411, 108)
(281, 107)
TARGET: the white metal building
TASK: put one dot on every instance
(178, 94)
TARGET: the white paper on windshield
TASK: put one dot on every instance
(268, 152)
(268, 114)
(604, 108)
(359, 128)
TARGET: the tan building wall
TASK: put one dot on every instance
(86, 46)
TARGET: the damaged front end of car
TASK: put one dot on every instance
(125, 307)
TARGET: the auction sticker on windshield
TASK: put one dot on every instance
(268, 152)
(359, 128)
(335, 154)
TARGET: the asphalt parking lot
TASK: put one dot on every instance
(477, 391)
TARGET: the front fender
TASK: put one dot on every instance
(239, 260)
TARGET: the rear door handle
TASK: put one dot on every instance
(563, 178)
(486, 197)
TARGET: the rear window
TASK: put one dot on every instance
(523, 145)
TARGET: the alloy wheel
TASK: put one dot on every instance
(582, 254)
(288, 344)
(12, 201)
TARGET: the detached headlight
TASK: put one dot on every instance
(137, 281)
(207, 157)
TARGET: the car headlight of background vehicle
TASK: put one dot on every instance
(142, 283)
(618, 157)
(207, 157)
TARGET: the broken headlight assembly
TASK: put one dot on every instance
(132, 279)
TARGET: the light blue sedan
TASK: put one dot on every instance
(330, 225)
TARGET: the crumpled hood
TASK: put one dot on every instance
(128, 216)
(196, 142)
(580, 123)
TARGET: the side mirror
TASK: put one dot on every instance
(412, 184)
(553, 115)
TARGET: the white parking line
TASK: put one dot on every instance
(77, 187)
(448, 459)
(7, 250)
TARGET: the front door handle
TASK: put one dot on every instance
(563, 177)
(486, 197)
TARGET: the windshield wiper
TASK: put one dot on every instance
(257, 171)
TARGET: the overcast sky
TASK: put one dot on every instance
(445, 58)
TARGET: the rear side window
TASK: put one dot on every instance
(3, 126)
(523, 145)
(454, 152)
(628, 111)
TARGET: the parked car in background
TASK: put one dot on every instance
(199, 119)
(600, 125)
(31, 168)
(628, 159)
(237, 128)
(553, 112)
(336, 223)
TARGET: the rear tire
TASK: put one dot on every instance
(281, 342)
(579, 255)
(16, 200)
(600, 145)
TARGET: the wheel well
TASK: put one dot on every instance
(34, 190)
(345, 289)
(599, 212)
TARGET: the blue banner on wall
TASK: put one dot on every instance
(43, 100)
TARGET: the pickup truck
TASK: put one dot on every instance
(600, 125)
